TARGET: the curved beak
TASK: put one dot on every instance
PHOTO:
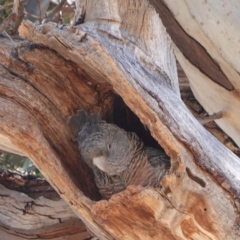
(100, 162)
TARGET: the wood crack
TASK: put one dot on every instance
(195, 178)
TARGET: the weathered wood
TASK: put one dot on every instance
(199, 198)
(23, 217)
(39, 88)
(29, 185)
(36, 123)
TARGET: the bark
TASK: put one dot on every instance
(206, 46)
(38, 213)
(202, 116)
(65, 68)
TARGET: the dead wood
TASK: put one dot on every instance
(31, 209)
(67, 68)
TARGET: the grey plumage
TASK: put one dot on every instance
(117, 158)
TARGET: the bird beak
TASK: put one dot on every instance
(100, 162)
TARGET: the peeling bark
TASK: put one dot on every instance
(206, 46)
(190, 48)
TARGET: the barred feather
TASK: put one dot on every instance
(126, 160)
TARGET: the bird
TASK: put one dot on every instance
(118, 158)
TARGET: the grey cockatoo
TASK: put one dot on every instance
(117, 158)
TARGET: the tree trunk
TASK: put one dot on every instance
(206, 43)
(121, 48)
(38, 213)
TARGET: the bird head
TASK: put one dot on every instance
(106, 147)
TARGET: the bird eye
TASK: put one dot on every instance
(109, 146)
